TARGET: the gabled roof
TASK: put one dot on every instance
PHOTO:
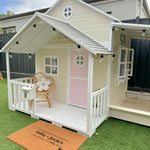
(90, 6)
(40, 29)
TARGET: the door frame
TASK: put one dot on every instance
(68, 78)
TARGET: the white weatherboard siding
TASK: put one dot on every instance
(117, 92)
(100, 73)
(60, 94)
(85, 19)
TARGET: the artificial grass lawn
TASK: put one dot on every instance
(113, 134)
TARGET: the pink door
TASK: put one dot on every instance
(78, 77)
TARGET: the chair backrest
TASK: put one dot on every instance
(38, 76)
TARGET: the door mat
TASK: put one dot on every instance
(45, 136)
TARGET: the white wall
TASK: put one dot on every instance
(117, 91)
(123, 9)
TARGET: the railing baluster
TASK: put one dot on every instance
(15, 95)
(104, 108)
(19, 96)
(98, 106)
(101, 107)
(94, 117)
(97, 110)
(11, 95)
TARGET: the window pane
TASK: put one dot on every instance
(129, 67)
(82, 58)
(54, 61)
(47, 61)
(130, 53)
(78, 58)
(123, 55)
(81, 63)
(47, 70)
(54, 70)
(65, 10)
(122, 70)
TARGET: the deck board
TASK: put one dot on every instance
(143, 105)
(63, 114)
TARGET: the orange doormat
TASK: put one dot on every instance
(45, 136)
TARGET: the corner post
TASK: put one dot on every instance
(109, 73)
(90, 88)
(8, 82)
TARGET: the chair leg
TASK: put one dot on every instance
(49, 102)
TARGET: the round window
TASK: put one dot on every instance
(80, 60)
(67, 12)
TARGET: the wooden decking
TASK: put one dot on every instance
(142, 105)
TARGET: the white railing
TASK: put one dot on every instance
(17, 98)
(99, 107)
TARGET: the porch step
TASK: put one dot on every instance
(131, 115)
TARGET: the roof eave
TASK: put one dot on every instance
(5, 48)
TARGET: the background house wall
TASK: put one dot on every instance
(18, 23)
(123, 9)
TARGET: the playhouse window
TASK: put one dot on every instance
(125, 63)
(51, 65)
(80, 60)
(67, 12)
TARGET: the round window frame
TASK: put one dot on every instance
(67, 17)
(84, 60)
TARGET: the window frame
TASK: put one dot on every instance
(126, 63)
(6, 30)
(71, 12)
(51, 65)
(84, 60)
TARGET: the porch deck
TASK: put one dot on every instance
(133, 103)
(63, 115)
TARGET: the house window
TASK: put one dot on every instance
(51, 65)
(8, 30)
(125, 63)
(80, 60)
(67, 12)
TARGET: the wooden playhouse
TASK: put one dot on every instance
(87, 53)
